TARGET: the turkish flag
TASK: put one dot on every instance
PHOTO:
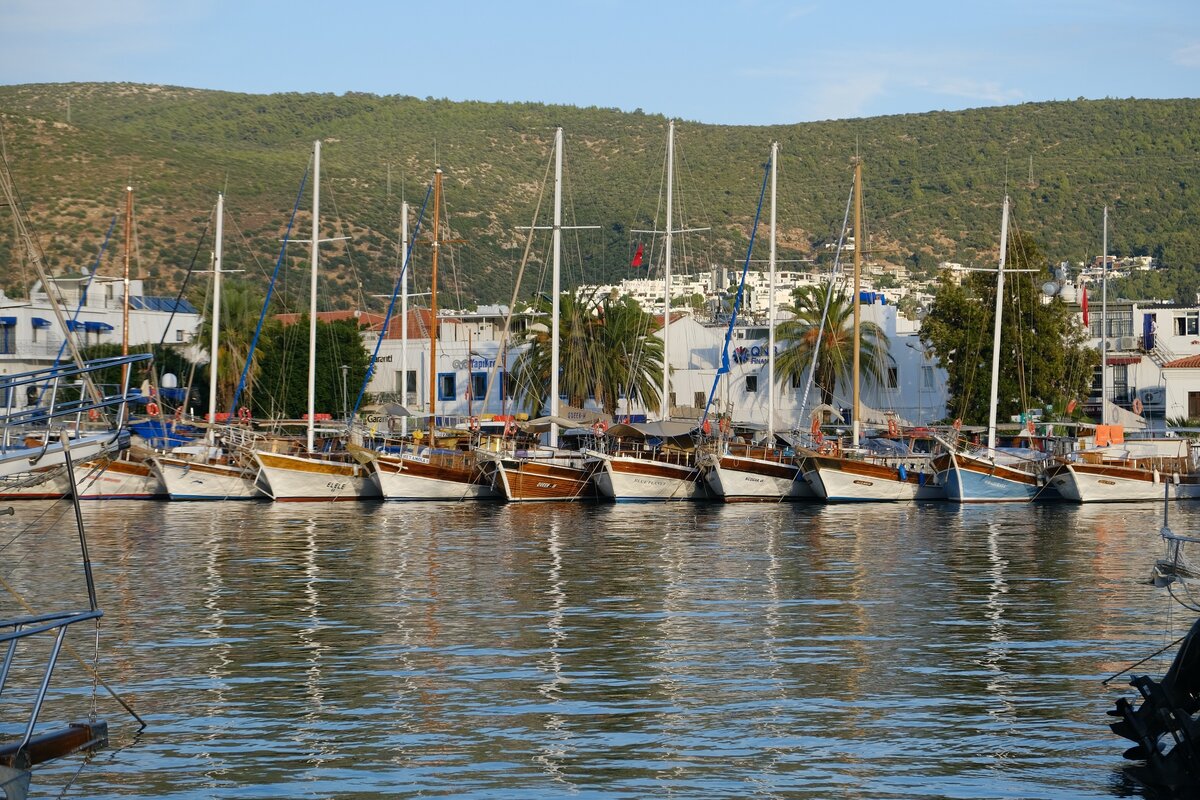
(1084, 304)
(637, 257)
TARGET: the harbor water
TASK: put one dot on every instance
(616, 651)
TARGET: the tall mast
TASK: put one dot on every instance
(995, 392)
(856, 402)
(403, 312)
(312, 294)
(1104, 326)
(666, 381)
(125, 281)
(433, 307)
(771, 305)
(215, 322)
(556, 301)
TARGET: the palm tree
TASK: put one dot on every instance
(606, 351)
(800, 334)
(240, 308)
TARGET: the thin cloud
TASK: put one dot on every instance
(1187, 56)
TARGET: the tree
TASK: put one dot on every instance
(800, 335)
(1043, 358)
(241, 306)
(283, 355)
(607, 351)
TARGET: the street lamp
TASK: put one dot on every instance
(345, 397)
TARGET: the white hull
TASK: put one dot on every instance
(187, 480)
(748, 479)
(49, 483)
(627, 478)
(849, 486)
(1082, 485)
(395, 481)
(117, 480)
(303, 478)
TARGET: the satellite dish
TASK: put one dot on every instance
(1050, 288)
(169, 381)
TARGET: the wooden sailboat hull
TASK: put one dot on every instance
(410, 478)
(969, 479)
(528, 480)
(116, 479)
(740, 479)
(200, 480)
(847, 480)
(628, 478)
(289, 478)
(48, 483)
(1110, 483)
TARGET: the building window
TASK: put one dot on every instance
(893, 377)
(751, 383)
(179, 335)
(698, 399)
(926, 379)
(797, 380)
(1193, 405)
(8, 339)
(478, 385)
(446, 387)
(1188, 324)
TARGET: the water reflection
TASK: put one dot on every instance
(685, 649)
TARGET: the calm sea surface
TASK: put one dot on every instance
(560, 650)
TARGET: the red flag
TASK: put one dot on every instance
(637, 257)
(1084, 304)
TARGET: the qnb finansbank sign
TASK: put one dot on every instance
(756, 354)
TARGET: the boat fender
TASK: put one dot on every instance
(1175, 479)
(902, 472)
(921, 477)
(1156, 476)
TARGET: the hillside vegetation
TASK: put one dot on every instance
(932, 188)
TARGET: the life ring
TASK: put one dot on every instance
(723, 425)
(599, 427)
(815, 428)
(244, 413)
(1137, 405)
(893, 427)
(152, 408)
(958, 424)
(818, 437)
(473, 424)
(510, 427)
(706, 427)
(93, 414)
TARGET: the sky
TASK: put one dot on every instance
(737, 62)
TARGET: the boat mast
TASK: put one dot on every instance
(125, 283)
(856, 427)
(403, 315)
(556, 300)
(1104, 326)
(433, 307)
(995, 391)
(215, 323)
(666, 381)
(771, 305)
(312, 295)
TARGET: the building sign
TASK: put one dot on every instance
(473, 363)
(752, 355)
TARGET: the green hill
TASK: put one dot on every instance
(932, 188)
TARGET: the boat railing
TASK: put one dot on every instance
(61, 393)
(22, 628)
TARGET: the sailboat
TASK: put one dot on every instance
(121, 476)
(1111, 468)
(992, 474)
(857, 474)
(209, 471)
(546, 472)
(312, 475)
(416, 468)
(653, 461)
(765, 472)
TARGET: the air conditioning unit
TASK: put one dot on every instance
(1127, 343)
(1154, 396)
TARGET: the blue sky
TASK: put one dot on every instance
(739, 62)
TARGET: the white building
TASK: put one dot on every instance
(31, 337)
(469, 348)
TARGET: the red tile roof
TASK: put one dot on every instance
(1188, 362)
